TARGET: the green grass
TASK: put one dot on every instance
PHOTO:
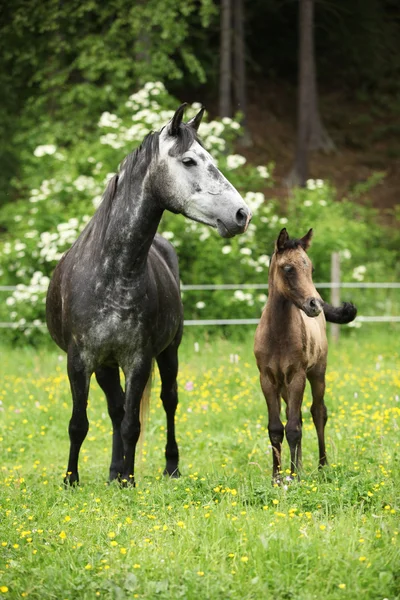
(222, 530)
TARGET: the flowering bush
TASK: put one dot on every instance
(64, 186)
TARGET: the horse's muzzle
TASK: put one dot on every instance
(237, 225)
(312, 307)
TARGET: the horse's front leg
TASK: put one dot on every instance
(79, 378)
(136, 379)
(293, 428)
(271, 393)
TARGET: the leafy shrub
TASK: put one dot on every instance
(43, 224)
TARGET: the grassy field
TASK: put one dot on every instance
(222, 530)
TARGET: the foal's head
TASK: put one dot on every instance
(186, 180)
(291, 273)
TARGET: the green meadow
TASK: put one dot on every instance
(222, 531)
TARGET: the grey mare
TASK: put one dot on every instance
(114, 298)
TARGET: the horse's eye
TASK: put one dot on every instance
(189, 162)
(287, 268)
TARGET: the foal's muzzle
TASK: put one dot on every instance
(312, 307)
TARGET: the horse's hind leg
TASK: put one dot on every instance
(109, 381)
(168, 365)
(319, 413)
(79, 379)
(137, 374)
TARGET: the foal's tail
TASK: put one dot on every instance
(340, 314)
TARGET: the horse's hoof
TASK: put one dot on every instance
(127, 482)
(71, 480)
(172, 474)
(114, 477)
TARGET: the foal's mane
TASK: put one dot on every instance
(139, 160)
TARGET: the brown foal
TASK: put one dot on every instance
(290, 347)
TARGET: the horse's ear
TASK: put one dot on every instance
(281, 241)
(305, 241)
(195, 122)
(177, 120)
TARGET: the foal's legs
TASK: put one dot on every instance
(137, 374)
(79, 379)
(319, 413)
(168, 365)
(299, 446)
(109, 381)
(295, 391)
(275, 426)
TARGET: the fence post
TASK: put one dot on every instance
(335, 291)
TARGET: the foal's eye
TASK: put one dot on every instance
(288, 268)
(189, 162)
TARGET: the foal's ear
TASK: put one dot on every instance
(305, 241)
(177, 119)
(195, 122)
(282, 239)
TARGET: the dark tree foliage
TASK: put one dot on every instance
(63, 63)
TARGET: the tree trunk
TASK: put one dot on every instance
(311, 133)
(225, 105)
(239, 57)
(319, 139)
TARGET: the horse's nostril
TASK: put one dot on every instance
(241, 217)
(313, 303)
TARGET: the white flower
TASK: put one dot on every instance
(308, 203)
(43, 150)
(283, 221)
(226, 249)
(233, 161)
(239, 295)
(83, 183)
(311, 184)
(264, 260)
(322, 202)
(262, 298)
(359, 272)
(246, 251)
(319, 183)
(109, 120)
(168, 235)
(345, 253)
(254, 200)
(200, 305)
(263, 171)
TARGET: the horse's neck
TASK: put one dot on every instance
(132, 226)
(280, 311)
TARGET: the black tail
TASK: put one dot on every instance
(340, 314)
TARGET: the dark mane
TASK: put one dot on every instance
(292, 244)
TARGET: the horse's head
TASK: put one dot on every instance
(291, 273)
(186, 180)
